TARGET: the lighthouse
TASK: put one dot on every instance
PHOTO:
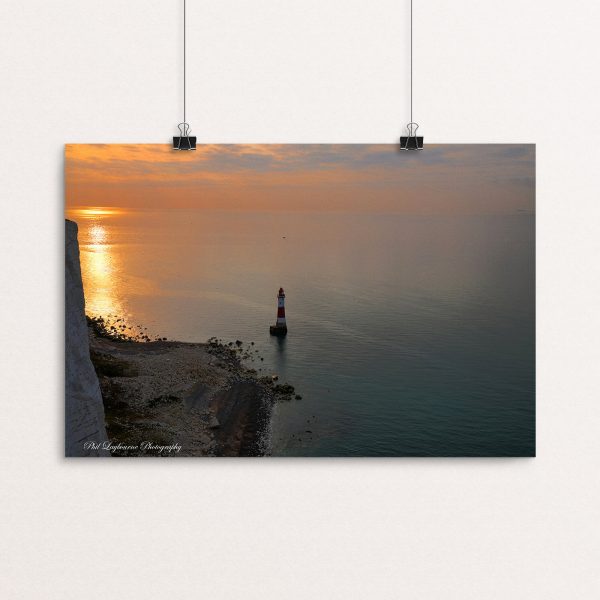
(280, 327)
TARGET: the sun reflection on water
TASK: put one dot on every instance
(97, 234)
(99, 264)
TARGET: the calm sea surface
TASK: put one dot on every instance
(408, 336)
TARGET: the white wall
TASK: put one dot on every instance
(299, 71)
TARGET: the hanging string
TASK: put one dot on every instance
(411, 60)
(411, 141)
(184, 52)
(184, 141)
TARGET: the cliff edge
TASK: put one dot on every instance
(84, 411)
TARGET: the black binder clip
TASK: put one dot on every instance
(184, 141)
(411, 141)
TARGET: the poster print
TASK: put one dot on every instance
(300, 300)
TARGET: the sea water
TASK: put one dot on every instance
(407, 335)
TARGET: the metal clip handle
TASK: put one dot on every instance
(412, 129)
(184, 129)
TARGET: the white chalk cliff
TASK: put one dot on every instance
(84, 411)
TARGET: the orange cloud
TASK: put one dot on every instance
(478, 179)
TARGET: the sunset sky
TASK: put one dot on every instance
(442, 179)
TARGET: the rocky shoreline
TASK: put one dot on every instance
(129, 395)
(198, 397)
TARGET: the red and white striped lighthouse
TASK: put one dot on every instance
(281, 308)
(280, 327)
